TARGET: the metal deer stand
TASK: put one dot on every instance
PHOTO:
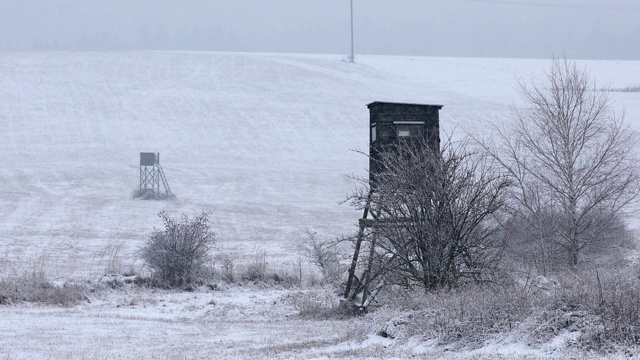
(390, 124)
(152, 177)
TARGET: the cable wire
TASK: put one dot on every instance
(551, 5)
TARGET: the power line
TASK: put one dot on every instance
(551, 5)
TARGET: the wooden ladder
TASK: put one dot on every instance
(164, 180)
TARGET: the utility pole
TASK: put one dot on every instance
(352, 57)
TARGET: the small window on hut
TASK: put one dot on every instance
(410, 130)
(373, 133)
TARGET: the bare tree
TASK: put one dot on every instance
(433, 215)
(573, 161)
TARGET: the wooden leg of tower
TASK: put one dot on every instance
(356, 252)
(354, 260)
(368, 270)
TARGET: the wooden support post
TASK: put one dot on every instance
(356, 252)
(367, 279)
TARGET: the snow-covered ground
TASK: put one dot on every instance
(262, 141)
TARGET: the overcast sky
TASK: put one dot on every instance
(593, 29)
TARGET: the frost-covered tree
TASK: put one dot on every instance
(573, 160)
(434, 216)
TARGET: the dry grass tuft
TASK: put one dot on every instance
(17, 289)
(320, 305)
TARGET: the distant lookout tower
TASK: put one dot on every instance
(153, 182)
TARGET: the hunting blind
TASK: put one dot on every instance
(152, 176)
(390, 125)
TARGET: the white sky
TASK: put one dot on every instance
(596, 29)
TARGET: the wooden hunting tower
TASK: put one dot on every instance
(151, 176)
(390, 123)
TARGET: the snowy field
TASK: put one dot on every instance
(263, 142)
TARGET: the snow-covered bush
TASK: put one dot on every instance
(326, 256)
(614, 301)
(532, 240)
(472, 314)
(590, 310)
(177, 255)
(257, 270)
(438, 211)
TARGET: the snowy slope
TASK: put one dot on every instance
(261, 141)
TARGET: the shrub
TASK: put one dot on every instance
(257, 270)
(534, 240)
(177, 254)
(471, 314)
(591, 310)
(625, 89)
(325, 256)
(614, 300)
(435, 216)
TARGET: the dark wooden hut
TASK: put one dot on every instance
(391, 123)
